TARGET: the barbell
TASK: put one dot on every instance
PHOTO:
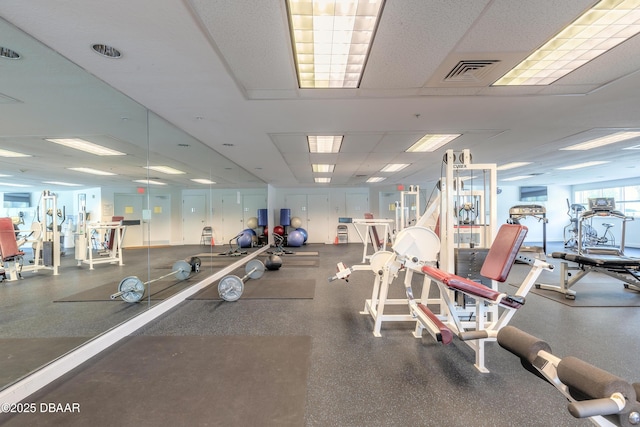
(231, 287)
(131, 288)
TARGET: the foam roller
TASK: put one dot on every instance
(592, 381)
(521, 343)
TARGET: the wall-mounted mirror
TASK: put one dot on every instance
(83, 222)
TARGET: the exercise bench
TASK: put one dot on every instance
(11, 255)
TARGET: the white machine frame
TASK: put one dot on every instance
(112, 256)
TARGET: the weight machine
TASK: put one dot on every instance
(111, 252)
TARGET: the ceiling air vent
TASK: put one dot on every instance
(471, 70)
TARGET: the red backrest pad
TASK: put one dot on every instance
(8, 244)
(377, 241)
(503, 252)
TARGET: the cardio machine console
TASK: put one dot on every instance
(607, 204)
(524, 210)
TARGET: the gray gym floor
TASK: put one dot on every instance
(353, 378)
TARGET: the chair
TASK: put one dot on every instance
(343, 233)
(206, 238)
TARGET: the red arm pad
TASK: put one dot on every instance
(446, 336)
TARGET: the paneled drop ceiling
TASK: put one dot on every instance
(223, 72)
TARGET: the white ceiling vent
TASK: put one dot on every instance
(471, 71)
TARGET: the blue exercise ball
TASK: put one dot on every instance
(304, 233)
(245, 239)
(295, 238)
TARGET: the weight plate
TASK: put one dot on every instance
(182, 269)
(195, 264)
(132, 288)
(255, 269)
(230, 288)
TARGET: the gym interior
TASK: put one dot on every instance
(177, 249)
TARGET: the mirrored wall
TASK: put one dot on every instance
(86, 222)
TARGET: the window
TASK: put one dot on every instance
(627, 198)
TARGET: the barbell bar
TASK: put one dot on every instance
(131, 288)
(231, 287)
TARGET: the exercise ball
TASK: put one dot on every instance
(295, 238)
(296, 222)
(273, 262)
(265, 231)
(250, 231)
(279, 230)
(245, 239)
(254, 240)
(252, 222)
(304, 233)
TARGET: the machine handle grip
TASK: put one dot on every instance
(591, 408)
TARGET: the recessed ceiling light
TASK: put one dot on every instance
(512, 165)
(331, 40)
(12, 184)
(165, 169)
(203, 181)
(602, 141)
(92, 171)
(376, 179)
(106, 50)
(322, 180)
(431, 142)
(64, 184)
(322, 168)
(394, 167)
(8, 53)
(583, 165)
(8, 153)
(518, 178)
(86, 146)
(149, 181)
(599, 29)
(324, 143)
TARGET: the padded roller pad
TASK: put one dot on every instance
(592, 381)
(521, 343)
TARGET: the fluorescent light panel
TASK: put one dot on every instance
(518, 178)
(92, 171)
(376, 179)
(324, 143)
(599, 29)
(165, 169)
(86, 146)
(331, 40)
(203, 181)
(322, 180)
(64, 184)
(583, 165)
(320, 168)
(149, 181)
(8, 153)
(11, 184)
(431, 142)
(394, 167)
(602, 141)
(512, 165)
